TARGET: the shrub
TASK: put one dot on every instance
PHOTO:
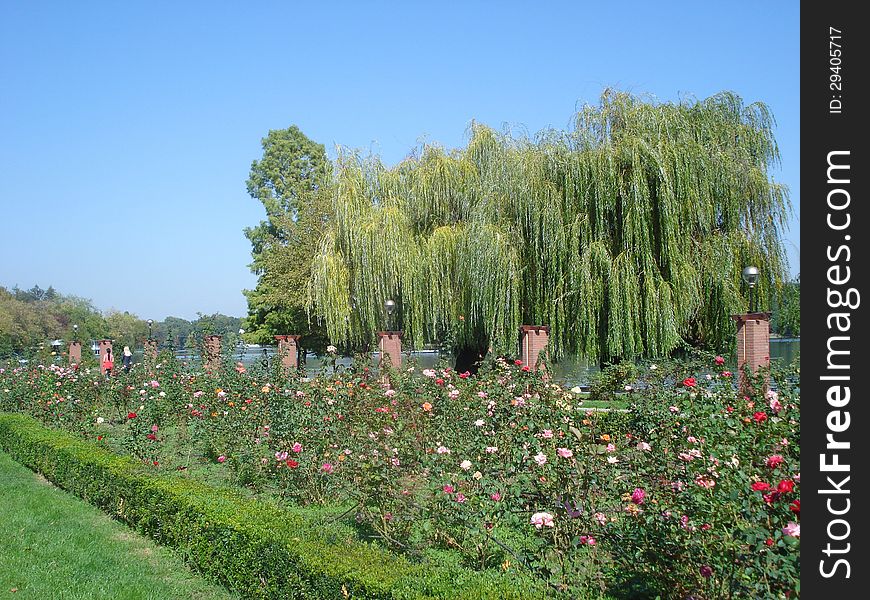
(253, 547)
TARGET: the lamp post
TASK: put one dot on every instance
(750, 276)
(75, 348)
(390, 307)
(150, 351)
(753, 338)
(241, 344)
(55, 350)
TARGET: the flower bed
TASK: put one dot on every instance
(253, 547)
(693, 491)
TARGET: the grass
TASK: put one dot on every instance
(53, 545)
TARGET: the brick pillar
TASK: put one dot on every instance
(211, 358)
(753, 346)
(288, 350)
(533, 342)
(150, 350)
(105, 345)
(75, 353)
(390, 344)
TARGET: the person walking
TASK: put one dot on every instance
(108, 363)
(127, 359)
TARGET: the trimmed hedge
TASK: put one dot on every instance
(253, 547)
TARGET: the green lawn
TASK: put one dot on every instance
(54, 546)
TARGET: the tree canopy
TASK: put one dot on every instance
(626, 234)
(31, 319)
(290, 181)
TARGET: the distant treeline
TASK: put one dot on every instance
(31, 319)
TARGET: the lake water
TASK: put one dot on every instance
(573, 371)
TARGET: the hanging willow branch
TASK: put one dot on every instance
(626, 235)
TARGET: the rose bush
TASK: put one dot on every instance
(693, 491)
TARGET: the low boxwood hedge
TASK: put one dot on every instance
(253, 547)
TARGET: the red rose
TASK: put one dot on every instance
(518, 362)
(690, 382)
(720, 360)
(760, 417)
(292, 464)
(785, 486)
(760, 486)
(769, 541)
(151, 436)
(771, 497)
(131, 415)
(464, 375)
(795, 507)
(526, 369)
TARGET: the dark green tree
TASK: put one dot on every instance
(786, 320)
(291, 181)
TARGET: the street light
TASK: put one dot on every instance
(150, 334)
(390, 307)
(55, 350)
(750, 276)
(75, 332)
(241, 347)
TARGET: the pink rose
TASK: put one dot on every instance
(793, 529)
(774, 461)
(542, 519)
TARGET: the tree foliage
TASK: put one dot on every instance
(626, 234)
(786, 319)
(290, 181)
(31, 319)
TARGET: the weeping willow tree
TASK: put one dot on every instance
(626, 234)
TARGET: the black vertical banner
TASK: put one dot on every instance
(835, 425)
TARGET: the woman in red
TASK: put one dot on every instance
(108, 363)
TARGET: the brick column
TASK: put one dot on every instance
(75, 353)
(150, 350)
(533, 342)
(211, 358)
(288, 350)
(104, 345)
(753, 346)
(390, 344)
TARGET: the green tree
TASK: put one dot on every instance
(173, 331)
(786, 319)
(126, 329)
(291, 181)
(627, 235)
(32, 318)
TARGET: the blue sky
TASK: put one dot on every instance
(127, 130)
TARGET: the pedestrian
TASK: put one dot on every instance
(127, 359)
(108, 363)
